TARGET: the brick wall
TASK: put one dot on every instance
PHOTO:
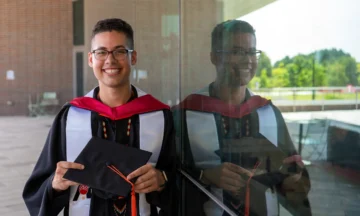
(36, 43)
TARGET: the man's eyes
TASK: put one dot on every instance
(242, 52)
(120, 51)
(101, 52)
(238, 52)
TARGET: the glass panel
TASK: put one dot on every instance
(295, 149)
(78, 22)
(79, 74)
(292, 151)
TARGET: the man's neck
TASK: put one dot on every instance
(230, 95)
(114, 97)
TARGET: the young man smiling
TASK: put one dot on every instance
(115, 111)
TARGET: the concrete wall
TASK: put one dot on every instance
(236, 8)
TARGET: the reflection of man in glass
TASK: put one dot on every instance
(235, 143)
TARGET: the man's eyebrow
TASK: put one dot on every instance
(104, 48)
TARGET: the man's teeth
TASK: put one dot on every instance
(112, 71)
(241, 70)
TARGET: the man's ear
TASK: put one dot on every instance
(214, 58)
(133, 57)
(90, 59)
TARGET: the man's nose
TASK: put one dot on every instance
(110, 58)
(246, 60)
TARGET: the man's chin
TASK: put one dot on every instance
(114, 84)
(238, 83)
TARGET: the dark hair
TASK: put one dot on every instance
(224, 29)
(115, 24)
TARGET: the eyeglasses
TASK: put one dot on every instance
(242, 53)
(118, 54)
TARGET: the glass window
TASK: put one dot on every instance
(264, 96)
(287, 151)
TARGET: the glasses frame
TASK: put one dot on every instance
(111, 52)
(242, 53)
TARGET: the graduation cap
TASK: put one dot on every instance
(247, 151)
(106, 166)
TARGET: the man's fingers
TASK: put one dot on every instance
(294, 158)
(291, 184)
(146, 190)
(70, 183)
(145, 184)
(229, 174)
(146, 176)
(233, 182)
(70, 165)
(238, 169)
(296, 177)
(230, 188)
(60, 172)
(142, 170)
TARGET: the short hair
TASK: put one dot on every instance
(115, 24)
(224, 29)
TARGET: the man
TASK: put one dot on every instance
(236, 144)
(115, 111)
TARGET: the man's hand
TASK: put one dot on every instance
(294, 159)
(59, 183)
(295, 184)
(227, 176)
(149, 179)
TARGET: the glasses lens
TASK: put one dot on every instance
(100, 54)
(120, 54)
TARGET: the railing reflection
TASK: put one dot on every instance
(323, 97)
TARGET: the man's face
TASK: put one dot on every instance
(109, 71)
(234, 69)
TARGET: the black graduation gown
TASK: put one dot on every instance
(194, 199)
(41, 199)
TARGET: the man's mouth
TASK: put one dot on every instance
(241, 70)
(241, 73)
(111, 71)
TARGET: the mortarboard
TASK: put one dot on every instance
(107, 164)
(247, 150)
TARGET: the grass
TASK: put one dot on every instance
(328, 96)
(318, 96)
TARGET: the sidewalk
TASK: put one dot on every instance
(21, 140)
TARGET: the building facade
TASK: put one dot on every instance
(44, 46)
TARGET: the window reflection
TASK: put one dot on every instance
(308, 71)
(236, 143)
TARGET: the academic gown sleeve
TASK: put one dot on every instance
(193, 198)
(166, 200)
(295, 202)
(38, 194)
(183, 143)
